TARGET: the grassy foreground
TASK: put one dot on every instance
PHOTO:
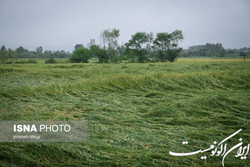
(136, 113)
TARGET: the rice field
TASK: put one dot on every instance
(136, 113)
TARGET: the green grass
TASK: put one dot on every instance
(136, 113)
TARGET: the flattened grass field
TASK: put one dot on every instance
(136, 113)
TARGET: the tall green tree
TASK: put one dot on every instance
(110, 38)
(139, 45)
(78, 46)
(167, 45)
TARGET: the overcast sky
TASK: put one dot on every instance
(60, 24)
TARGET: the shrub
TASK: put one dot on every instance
(80, 55)
(50, 61)
(102, 54)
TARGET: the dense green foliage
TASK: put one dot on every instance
(145, 48)
(136, 113)
(208, 50)
(236, 52)
(167, 45)
(213, 50)
(139, 45)
(102, 54)
(7, 55)
(80, 55)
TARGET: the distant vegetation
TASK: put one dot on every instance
(208, 50)
(9, 55)
(213, 50)
(142, 47)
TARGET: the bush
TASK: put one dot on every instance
(80, 55)
(50, 61)
(102, 54)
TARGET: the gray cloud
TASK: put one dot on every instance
(60, 24)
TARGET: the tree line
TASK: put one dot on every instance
(213, 50)
(8, 55)
(142, 47)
